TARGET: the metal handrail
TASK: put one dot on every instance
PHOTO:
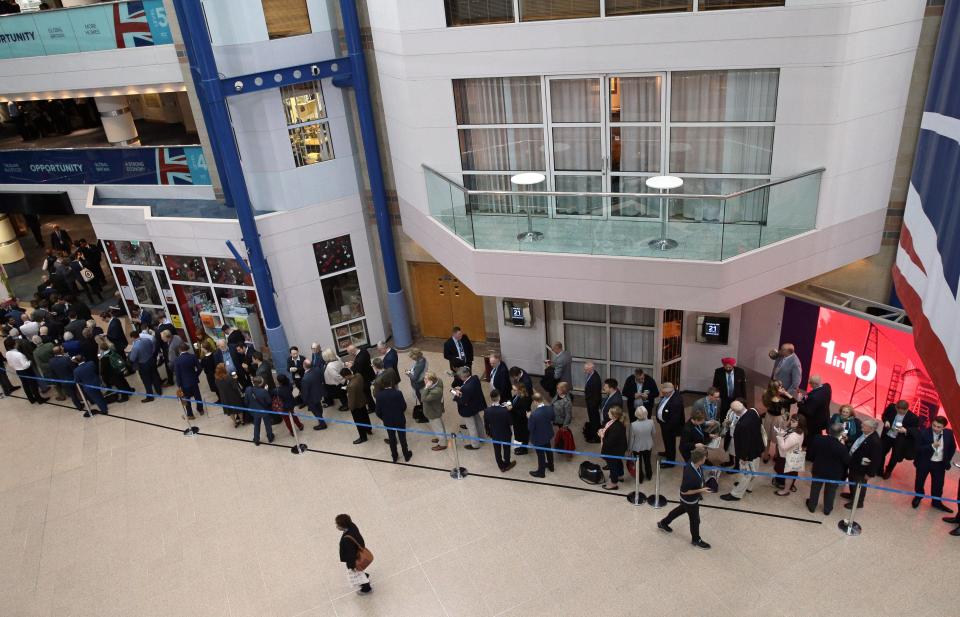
(733, 195)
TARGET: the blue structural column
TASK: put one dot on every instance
(396, 299)
(203, 67)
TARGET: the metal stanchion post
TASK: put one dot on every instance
(86, 404)
(657, 500)
(636, 497)
(300, 447)
(191, 429)
(850, 526)
(458, 472)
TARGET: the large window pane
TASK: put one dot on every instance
(579, 205)
(532, 10)
(586, 341)
(132, 253)
(575, 100)
(311, 144)
(334, 255)
(721, 150)
(286, 18)
(631, 345)
(303, 102)
(715, 5)
(724, 96)
(750, 207)
(183, 268)
(578, 311)
(635, 148)
(632, 316)
(501, 149)
(498, 100)
(635, 99)
(636, 7)
(503, 204)
(469, 12)
(576, 148)
(632, 206)
(228, 271)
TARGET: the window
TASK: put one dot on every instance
(637, 7)
(286, 18)
(307, 123)
(341, 291)
(132, 253)
(532, 10)
(228, 271)
(185, 268)
(470, 12)
(715, 5)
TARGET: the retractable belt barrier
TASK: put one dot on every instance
(655, 499)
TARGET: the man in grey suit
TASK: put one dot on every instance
(557, 369)
(709, 405)
(786, 368)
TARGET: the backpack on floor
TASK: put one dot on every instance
(591, 473)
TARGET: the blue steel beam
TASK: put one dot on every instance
(213, 105)
(276, 78)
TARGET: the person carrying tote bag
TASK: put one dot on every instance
(791, 455)
(354, 553)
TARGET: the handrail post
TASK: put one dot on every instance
(849, 526)
(636, 497)
(458, 472)
(657, 500)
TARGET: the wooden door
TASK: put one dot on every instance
(442, 302)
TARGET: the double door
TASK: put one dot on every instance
(443, 301)
(148, 288)
(606, 133)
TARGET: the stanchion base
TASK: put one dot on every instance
(530, 236)
(299, 448)
(656, 501)
(636, 499)
(193, 430)
(458, 473)
(87, 414)
(853, 529)
(663, 244)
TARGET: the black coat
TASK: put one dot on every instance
(312, 387)
(592, 392)
(116, 335)
(499, 423)
(906, 443)
(362, 365)
(690, 436)
(614, 399)
(450, 352)
(815, 407)
(391, 407)
(673, 416)
(739, 386)
(614, 442)
(748, 436)
(520, 405)
(390, 360)
(830, 457)
(925, 449)
(471, 401)
(500, 380)
(872, 449)
(348, 548)
(630, 389)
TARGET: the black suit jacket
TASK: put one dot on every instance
(816, 408)
(312, 387)
(450, 352)
(872, 449)
(390, 360)
(690, 436)
(60, 241)
(672, 413)
(471, 401)
(630, 389)
(361, 365)
(116, 335)
(748, 436)
(499, 422)
(391, 407)
(830, 457)
(615, 399)
(906, 443)
(592, 392)
(925, 449)
(739, 386)
(500, 380)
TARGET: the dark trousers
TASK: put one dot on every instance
(616, 469)
(857, 477)
(192, 393)
(544, 457)
(362, 417)
(5, 382)
(692, 510)
(645, 464)
(829, 494)
(669, 442)
(393, 435)
(593, 419)
(150, 378)
(95, 397)
(501, 452)
(336, 392)
(31, 387)
(889, 447)
(936, 473)
(317, 410)
(259, 417)
(71, 391)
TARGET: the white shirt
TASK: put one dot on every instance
(17, 360)
(937, 456)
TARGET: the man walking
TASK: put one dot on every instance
(748, 446)
(313, 390)
(391, 407)
(186, 372)
(540, 424)
(691, 492)
(934, 452)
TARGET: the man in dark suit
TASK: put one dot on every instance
(389, 356)
(500, 375)
(62, 367)
(611, 398)
(186, 371)
(115, 332)
(691, 489)
(470, 403)
(815, 407)
(592, 395)
(458, 350)
(830, 459)
(313, 389)
(692, 436)
(540, 424)
(520, 376)
(142, 356)
(935, 450)
(900, 432)
(295, 370)
(88, 377)
(639, 389)
(92, 255)
(391, 407)
(731, 381)
(499, 425)
(362, 365)
(60, 239)
(747, 446)
(385, 377)
(669, 413)
(866, 459)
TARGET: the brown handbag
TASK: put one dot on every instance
(364, 556)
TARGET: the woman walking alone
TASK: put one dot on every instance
(351, 542)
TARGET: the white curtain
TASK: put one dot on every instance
(635, 148)
(575, 100)
(721, 150)
(498, 100)
(639, 99)
(724, 96)
(514, 149)
(629, 345)
(585, 341)
(579, 311)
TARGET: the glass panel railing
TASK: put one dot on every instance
(105, 26)
(145, 165)
(696, 226)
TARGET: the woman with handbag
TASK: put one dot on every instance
(791, 457)
(283, 394)
(563, 411)
(231, 397)
(519, 408)
(613, 443)
(415, 373)
(777, 402)
(354, 553)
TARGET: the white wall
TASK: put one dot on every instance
(760, 332)
(523, 347)
(700, 359)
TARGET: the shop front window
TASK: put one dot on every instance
(182, 268)
(132, 253)
(200, 313)
(228, 271)
(341, 291)
(240, 310)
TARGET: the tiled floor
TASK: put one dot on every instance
(111, 517)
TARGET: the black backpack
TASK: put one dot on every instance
(591, 473)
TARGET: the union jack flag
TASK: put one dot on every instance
(172, 167)
(927, 271)
(130, 25)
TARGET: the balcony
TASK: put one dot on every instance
(710, 228)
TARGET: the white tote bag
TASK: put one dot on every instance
(795, 461)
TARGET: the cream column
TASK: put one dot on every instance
(117, 120)
(10, 251)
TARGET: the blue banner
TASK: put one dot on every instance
(183, 165)
(138, 23)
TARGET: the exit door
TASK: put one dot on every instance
(442, 301)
